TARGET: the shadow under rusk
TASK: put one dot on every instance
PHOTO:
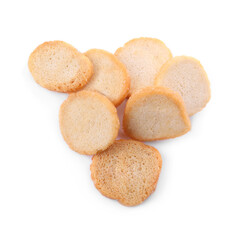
(120, 111)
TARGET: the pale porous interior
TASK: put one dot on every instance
(155, 117)
(143, 59)
(88, 125)
(127, 171)
(109, 77)
(186, 76)
(58, 66)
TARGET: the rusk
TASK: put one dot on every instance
(186, 76)
(88, 122)
(110, 76)
(143, 58)
(155, 113)
(127, 171)
(58, 66)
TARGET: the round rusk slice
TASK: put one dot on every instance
(58, 66)
(155, 113)
(143, 58)
(110, 76)
(186, 76)
(127, 171)
(89, 122)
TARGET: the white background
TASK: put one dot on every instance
(45, 188)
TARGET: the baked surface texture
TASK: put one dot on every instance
(127, 171)
(88, 122)
(143, 58)
(110, 76)
(155, 113)
(58, 66)
(186, 76)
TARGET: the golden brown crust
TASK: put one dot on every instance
(125, 83)
(69, 84)
(149, 91)
(141, 38)
(170, 62)
(117, 193)
(110, 108)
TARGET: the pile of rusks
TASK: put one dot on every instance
(162, 91)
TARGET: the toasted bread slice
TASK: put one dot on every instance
(155, 113)
(88, 122)
(143, 58)
(110, 76)
(58, 66)
(186, 76)
(127, 171)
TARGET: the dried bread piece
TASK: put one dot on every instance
(58, 66)
(89, 122)
(186, 76)
(143, 58)
(127, 171)
(155, 113)
(110, 76)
